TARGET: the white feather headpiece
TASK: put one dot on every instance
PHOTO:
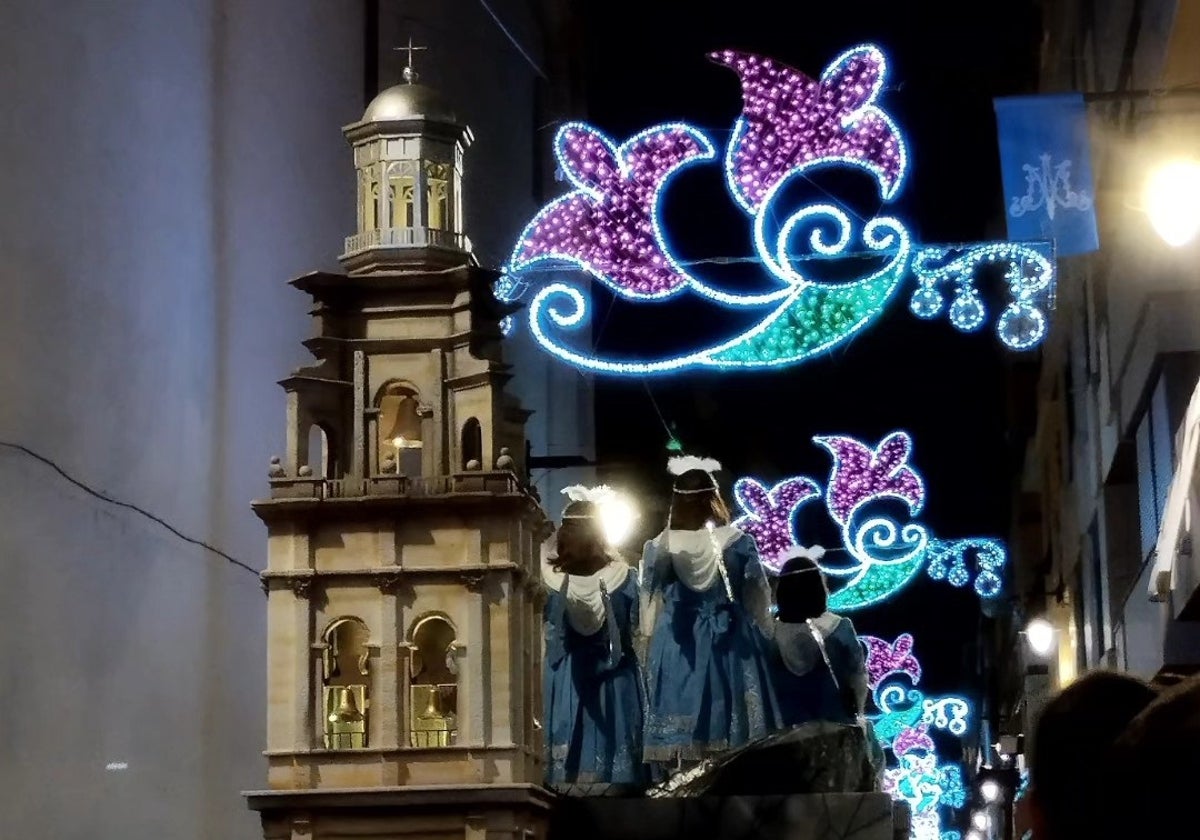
(813, 553)
(681, 464)
(596, 495)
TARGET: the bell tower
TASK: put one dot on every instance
(403, 605)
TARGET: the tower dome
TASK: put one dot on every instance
(409, 102)
(408, 150)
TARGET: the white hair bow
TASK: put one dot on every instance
(681, 464)
(596, 495)
(813, 553)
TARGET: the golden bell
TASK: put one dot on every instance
(347, 711)
(431, 708)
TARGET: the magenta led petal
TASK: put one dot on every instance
(911, 739)
(861, 474)
(885, 659)
(790, 121)
(608, 226)
(769, 514)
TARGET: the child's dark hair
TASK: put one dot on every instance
(1073, 744)
(581, 546)
(800, 591)
(695, 502)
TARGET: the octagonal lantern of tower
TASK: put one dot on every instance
(408, 150)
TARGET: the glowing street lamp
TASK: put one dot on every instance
(1040, 634)
(1172, 201)
(990, 791)
(980, 821)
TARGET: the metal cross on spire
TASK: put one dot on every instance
(410, 73)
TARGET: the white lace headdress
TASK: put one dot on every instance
(681, 464)
(812, 552)
(613, 511)
(597, 496)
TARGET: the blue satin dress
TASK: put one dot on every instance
(706, 596)
(821, 671)
(821, 675)
(592, 683)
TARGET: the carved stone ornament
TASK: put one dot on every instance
(474, 581)
(390, 583)
(300, 586)
(424, 410)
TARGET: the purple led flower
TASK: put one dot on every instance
(861, 474)
(885, 659)
(913, 738)
(790, 121)
(608, 225)
(768, 514)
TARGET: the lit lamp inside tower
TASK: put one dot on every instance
(399, 431)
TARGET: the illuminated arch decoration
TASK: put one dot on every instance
(884, 555)
(609, 226)
(903, 719)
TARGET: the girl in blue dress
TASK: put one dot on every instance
(821, 672)
(706, 604)
(820, 667)
(592, 683)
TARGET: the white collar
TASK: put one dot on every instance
(699, 541)
(698, 556)
(613, 576)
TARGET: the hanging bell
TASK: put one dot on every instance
(347, 711)
(431, 707)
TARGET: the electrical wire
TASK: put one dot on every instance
(512, 40)
(104, 497)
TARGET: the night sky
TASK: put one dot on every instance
(647, 65)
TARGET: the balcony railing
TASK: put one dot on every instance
(406, 237)
(393, 485)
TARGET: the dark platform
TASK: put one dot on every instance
(844, 816)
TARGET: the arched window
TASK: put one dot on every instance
(437, 197)
(433, 709)
(472, 444)
(400, 428)
(402, 186)
(320, 453)
(344, 693)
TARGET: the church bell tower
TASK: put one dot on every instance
(403, 597)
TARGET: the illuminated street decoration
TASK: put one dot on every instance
(884, 555)
(887, 659)
(610, 227)
(948, 561)
(1029, 274)
(770, 514)
(844, 123)
(901, 721)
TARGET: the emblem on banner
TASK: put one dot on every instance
(1049, 187)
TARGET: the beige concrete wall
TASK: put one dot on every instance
(167, 167)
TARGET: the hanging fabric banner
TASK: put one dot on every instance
(1046, 167)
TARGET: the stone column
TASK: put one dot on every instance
(420, 217)
(473, 681)
(387, 705)
(303, 689)
(501, 637)
(291, 448)
(358, 444)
